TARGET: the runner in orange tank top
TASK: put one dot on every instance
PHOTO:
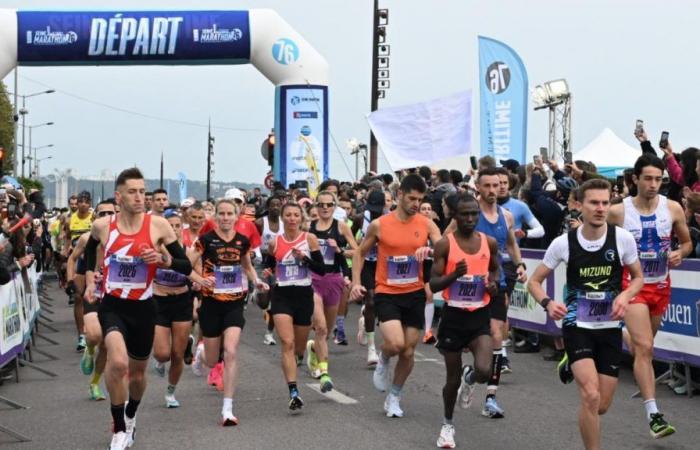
(399, 303)
(466, 270)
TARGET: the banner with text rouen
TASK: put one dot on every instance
(503, 88)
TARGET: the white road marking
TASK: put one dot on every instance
(334, 395)
(423, 358)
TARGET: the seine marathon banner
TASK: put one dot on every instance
(301, 135)
(503, 81)
(19, 309)
(152, 37)
(678, 339)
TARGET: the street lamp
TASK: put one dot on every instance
(34, 158)
(23, 112)
(31, 127)
(556, 97)
(37, 164)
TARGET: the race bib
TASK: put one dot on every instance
(127, 272)
(402, 270)
(292, 273)
(468, 292)
(167, 277)
(654, 266)
(327, 251)
(593, 310)
(228, 280)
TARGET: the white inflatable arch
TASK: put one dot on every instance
(260, 37)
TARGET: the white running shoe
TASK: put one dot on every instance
(269, 339)
(372, 356)
(381, 374)
(197, 363)
(171, 401)
(119, 441)
(361, 333)
(447, 437)
(465, 394)
(392, 407)
(159, 368)
(130, 430)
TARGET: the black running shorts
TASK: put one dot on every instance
(294, 301)
(173, 308)
(134, 319)
(408, 308)
(458, 328)
(604, 347)
(215, 316)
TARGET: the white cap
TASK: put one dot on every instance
(234, 194)
(186, 203)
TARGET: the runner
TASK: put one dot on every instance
(595, 254)
(160, 202)
(173, 299)
(497, 222)
(465, 269)
(333, 235)
(401, 238)
(222, 260)
(93, 361)
(195, 219)
(126, 312)
(374, 208)
(654, 221)
(269, 227)
(79, 223)
(149, 201)
(426, 209)
(292, 255)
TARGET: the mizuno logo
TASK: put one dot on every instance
(595, 286)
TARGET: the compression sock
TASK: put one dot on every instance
(429, 312)
(118, 417)
(496, 364)
(131, 408)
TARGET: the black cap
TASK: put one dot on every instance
(510, 164)
(375, 202)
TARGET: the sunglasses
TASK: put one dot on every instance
(105, 213)
(325, 205)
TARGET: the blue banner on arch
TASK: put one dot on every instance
(503, 88)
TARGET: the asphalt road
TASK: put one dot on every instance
(541, 413)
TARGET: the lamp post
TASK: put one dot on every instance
(31, 127)
(36, 163)
(555, 96)
(34, 158)
(23, 112)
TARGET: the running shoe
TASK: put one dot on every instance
(81, 343)
(372, 357)
(269, 339)
(188, 350)
(96, 393)
(506, 343)
(492, 410)
(171, 401)
(326, 383)
(295, 402)
(130, 430)
(392, 408)
(381, 375)
(159, 368)
(658, 427)
(447, 436)
(119, 441)
(465, 394)
(216, 376)
(564, 370)
(312, 360)
(229, 420)
(340, 338)
(197, 363)
(505, 366)
(361, 333)
(87, 361)
(428, 338)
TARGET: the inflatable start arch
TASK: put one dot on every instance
(260, 37)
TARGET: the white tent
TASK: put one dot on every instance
(609, 153)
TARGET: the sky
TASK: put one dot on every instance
(623, 59)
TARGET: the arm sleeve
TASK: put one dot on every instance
(647, 148)
(269, 261)
(315, 262)
(91, 253)
(536, 230)
(180, 262)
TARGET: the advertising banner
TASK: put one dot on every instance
(503, 81)
(149, 37)
(19, 309)
(301, 135)
(182, 185)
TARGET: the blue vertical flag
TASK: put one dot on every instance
(182, 185)
(503, 82)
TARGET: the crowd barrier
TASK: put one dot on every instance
(678, 339)
(20, 307)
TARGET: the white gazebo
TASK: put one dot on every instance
(609, 153)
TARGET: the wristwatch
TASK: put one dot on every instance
(545, 301)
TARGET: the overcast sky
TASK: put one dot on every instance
(623, 59)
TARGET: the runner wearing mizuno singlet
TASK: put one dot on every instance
(293, 256)
(466, 270)
(654, 221)
(127, 312)
(594, 254)
(328, 288)
(497, 222)
(401, 238)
